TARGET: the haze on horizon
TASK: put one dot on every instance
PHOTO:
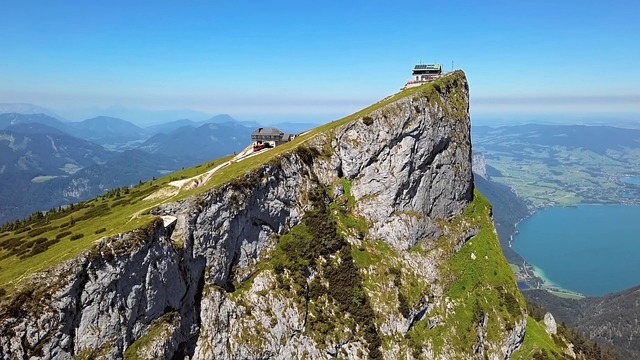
(317, 61)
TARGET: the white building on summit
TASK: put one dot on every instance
(424, 73)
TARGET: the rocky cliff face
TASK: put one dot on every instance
(479, 165)
(364, 241)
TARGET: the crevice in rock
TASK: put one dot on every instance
(228, 285)
(306, 304)
(481, 329)
(74, 315)
(339, 171)
(185, 260)
(417, 317)
(466, 236)
(186, 348)
(259, 222)
(25, 345)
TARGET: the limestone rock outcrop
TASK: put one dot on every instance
(550, 324)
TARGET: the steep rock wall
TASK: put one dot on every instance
(412, 156)
(103, 299)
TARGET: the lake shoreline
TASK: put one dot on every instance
(535, 278)
(576, 262)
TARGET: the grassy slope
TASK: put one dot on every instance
(538, 342)
(484, 285)
(162, 328)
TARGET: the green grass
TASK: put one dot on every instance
(348, 223)
(367, 255)
(475, 287)
(161, 329)
(129, 211)
(485, 285)
(375, 259)
(491, 266)
(90, 354)
(537, 341)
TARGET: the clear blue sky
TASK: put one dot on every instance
(323, 59)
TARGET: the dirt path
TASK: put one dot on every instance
(175, 187)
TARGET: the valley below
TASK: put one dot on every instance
(560, 165)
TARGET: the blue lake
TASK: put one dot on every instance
(591, 249)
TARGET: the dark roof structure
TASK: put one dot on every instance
(267, 131)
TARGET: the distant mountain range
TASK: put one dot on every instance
(38, 149)
(200, 144)
(46, 162)
(141, 117)
(26, 109)
(9, 119)
(42, 167)
(118, 134)
(105, 130)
